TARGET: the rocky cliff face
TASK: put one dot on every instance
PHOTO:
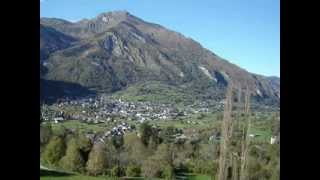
(116, 50)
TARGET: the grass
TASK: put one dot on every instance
(155, 91)
(82, 127)
(55, 175)
(190, 176)
(262, 135)
(207, 121)
(198, 177)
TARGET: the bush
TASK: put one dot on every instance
(168, 172)
(117, 171)
(54, 151)
(202, 167)
(133, 171)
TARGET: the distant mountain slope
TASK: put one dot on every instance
(116, 50)
(52, 40)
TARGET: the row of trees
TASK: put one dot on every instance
(241, 159)
(152, 154)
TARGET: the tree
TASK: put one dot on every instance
(84, 145)
(117, 142)
(73, 159)
(155, 165)
(165, 154)
(226, 135)
(135, 150)
(168, 134)
(54, 151)
(146, 133)
(245, 139)
(45, 135)
(97, 162)
(151, 168)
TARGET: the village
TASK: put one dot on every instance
(117, 113)
(104, 109)
(122, 116)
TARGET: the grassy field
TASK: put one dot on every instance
(73, 177)
(199, 177)
(79, 125)
(54, 175)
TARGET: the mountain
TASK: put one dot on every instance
(52, 40)
(116, 51)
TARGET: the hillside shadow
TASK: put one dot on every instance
(51, 91)
(53, 173)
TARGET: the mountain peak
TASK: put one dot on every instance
(113, 16)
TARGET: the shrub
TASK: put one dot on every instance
(168, 172)
(133, 171)
(117, 171)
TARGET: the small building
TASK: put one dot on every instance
(273, 139)
(58, 119)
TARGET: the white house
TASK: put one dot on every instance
(273, 139)
(57, 119)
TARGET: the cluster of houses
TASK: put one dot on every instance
(103, 109)
(118, 130)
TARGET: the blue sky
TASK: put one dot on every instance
(245, 32)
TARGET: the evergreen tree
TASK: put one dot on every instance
(146, 133)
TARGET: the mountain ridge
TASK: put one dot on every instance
(116, 49)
